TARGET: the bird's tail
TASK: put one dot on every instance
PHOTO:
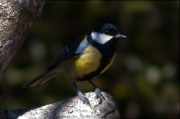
(41, 79)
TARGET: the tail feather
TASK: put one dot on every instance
(41, 79)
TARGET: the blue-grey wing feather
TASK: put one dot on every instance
(71, 51)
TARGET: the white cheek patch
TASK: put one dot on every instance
(100, 38)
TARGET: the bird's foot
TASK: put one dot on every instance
(99, 94)
(83, 98)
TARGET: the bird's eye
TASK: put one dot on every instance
(107, 31)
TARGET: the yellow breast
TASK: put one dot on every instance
(87, 62)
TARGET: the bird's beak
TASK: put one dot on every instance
(119, 36)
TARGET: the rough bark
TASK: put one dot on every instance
(16, 16)
(71, 108)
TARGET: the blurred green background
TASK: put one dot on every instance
(143, 79)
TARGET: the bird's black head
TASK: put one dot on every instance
(105, 32)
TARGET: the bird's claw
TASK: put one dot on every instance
(99, 94)
(83, 98)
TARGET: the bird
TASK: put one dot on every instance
(84, 59)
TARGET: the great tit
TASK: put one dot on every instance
(84, 59)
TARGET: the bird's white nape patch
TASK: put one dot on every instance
(100, 37)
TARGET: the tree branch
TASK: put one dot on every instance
(16, 16)
(72, 108)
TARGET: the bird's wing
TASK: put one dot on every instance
(71, 51)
